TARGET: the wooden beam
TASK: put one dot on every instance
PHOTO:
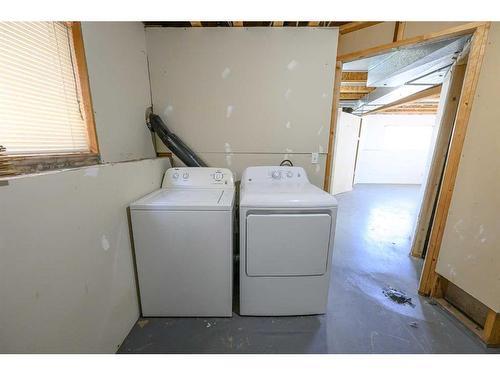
(313, 23)
(237, 23)
(277, 23)
(351, 95)
(83, 79)
(399, 31)
(356, 89)
(355, 26)
(354, 76)
(409, 99)
(429, 276)
(445, 129)
(333, 125)
(464, 29)
(196, 24)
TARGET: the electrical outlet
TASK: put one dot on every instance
(314, 158)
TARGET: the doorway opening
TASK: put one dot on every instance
(408, 73)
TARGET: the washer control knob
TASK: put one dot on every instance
(175, 176)
(276, 175)
(289, 174)
(185, 175)
(218, 176)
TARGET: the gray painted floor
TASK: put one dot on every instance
(371, 252)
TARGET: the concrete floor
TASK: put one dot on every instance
(371, 252)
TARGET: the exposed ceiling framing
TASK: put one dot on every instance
(344, 27)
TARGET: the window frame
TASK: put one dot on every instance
(38, 162)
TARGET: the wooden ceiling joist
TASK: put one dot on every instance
(277, 23)
(237, 23)
(351, 95)
(356, 89)
(313, 23)
(355, 26)
(354, 76)
(430, 92)
(196, 24)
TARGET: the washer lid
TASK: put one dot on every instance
(186, 199)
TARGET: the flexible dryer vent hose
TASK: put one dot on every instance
(173, 142)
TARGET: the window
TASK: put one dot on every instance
(45, 109)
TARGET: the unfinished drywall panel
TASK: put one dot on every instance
(420, 28)
(119, 84)
(368, 37)
(66, 277)
(469, 255)
(265, 90)
(238, 162)
(393, 149)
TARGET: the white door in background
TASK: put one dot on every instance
(346, 144)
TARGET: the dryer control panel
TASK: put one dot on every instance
(273, 175)
(198, 177)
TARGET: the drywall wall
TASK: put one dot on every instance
(119, 84)
(469, 255)
(66, 277)
(368, 37)
(345, 152)
(254, 94)
(394, 149)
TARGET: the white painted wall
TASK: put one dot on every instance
(119, 84)
(394, 149)
(246, 96)
(66, 272)
(344, 158)
(66, 276)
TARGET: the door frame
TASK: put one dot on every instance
(479, 31)
(431, 283)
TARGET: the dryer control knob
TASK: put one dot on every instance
(289, 174)
(276, 175)
(175, 176)
(185, 175)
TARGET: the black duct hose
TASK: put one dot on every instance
(173, 142)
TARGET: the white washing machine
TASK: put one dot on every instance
(287, 228)
(183, 237)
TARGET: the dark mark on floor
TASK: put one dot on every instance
(413, 324)
(398, 296)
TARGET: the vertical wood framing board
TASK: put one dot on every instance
(491, 331)
(333, 125)
(83, 80)
(429, 276)
(399, 31)
(438, 160)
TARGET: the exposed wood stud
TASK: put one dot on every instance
(277, 23)
(429, 276)
(196, 24)
(399, 31)
(313, 23)
(355, 26)
(441, 150)
(333, 124)
(491, 331)
(238, 23)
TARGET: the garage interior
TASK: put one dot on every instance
(415, 262)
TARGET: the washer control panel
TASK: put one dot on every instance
(198, 177)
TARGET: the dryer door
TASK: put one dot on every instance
(287, 244)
